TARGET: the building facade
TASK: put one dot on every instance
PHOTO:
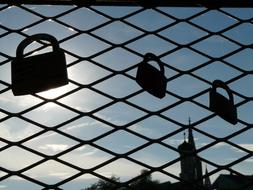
(191, 166)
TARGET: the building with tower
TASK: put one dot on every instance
(191, 166)
(207, 182)
(192, 175)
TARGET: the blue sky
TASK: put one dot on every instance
(120, 86)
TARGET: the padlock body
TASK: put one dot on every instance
(151, 79)
(39, 73)
(223, 107)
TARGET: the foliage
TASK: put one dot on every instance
(143, 183)
(104, 185)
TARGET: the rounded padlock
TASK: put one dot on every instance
(222, 106)
(41, 72)
(150, 78)
(37, 37)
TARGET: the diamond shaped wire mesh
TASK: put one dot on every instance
(103, 123)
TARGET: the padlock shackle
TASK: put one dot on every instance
(21, 47)
(153, 57)
(221, 84)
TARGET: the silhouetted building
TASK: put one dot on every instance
(233, 182)
(191, 167)
(192, 175)
(207, 182)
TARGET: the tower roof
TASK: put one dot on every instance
(190, 145)
(185, 146)
(190, 135)
(207, 181)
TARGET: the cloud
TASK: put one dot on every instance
(54, 147)
(249, 160)
(15, 158)
(43, 136)
(202, 144)
(14, 133)
(246, 146)
(142, 129)
(219, 145)
(17, 103)
(81, 125)
(175, 141)
(60, 174)
(2, 115)
(2, 174)
(90, 153)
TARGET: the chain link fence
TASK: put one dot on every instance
(103, 124)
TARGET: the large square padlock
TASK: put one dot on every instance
(222, 106)
(41, 72)
(150, 78)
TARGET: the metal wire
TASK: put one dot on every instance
(203, 9)
(151, 3)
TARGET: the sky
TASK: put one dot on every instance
(119, 86)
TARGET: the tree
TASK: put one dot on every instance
(104, 185)
(145, 182)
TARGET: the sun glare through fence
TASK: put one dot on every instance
(155, 97)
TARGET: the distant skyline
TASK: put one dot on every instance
(119, 85)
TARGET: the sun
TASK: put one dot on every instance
(56, 92)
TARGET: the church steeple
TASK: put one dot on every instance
(207, 181)
(190, 135)
(191, 166)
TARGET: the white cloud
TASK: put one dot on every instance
(17, 178)
(110, 119)
(81, 148)
(59, 174)
(17, 103)
(51, 172)
(219, 145)
(246, 146)
(86, 158)
(202, 144)
(175, 141)
(141, 129)
(54, 147)
(2, 174)
(249, 160)
(86, 177)
(14, 133)
(82, 125)
(2, 115)
(15, 158)
(90, 153)
(43, 136)
(56, 92)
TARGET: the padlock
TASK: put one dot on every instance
(222, 106)
(39, 72)
(150, 78)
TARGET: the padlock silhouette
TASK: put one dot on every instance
(150, 78)
(39, 72)
(222, 106)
